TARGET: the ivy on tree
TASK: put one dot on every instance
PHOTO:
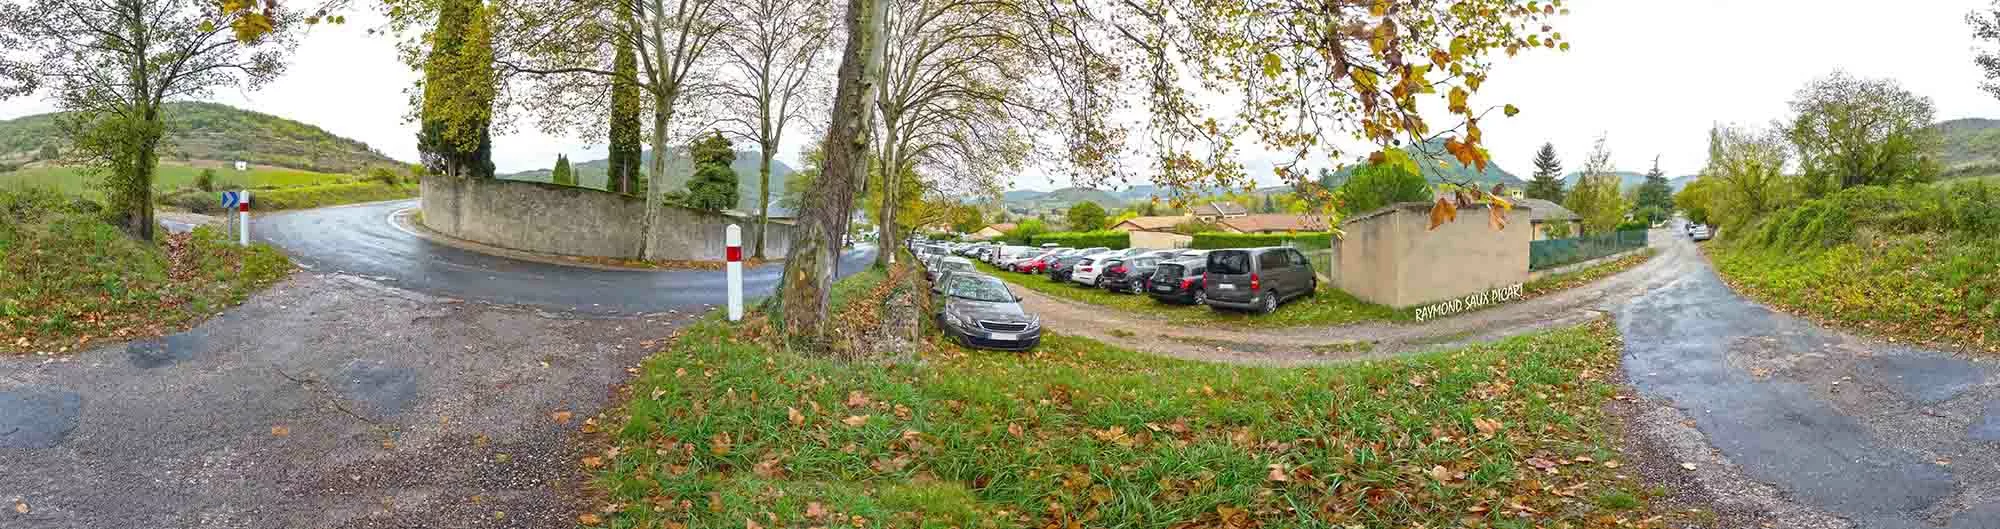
(713, 187)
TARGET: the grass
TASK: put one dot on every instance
(1923, 288)
(721, 431)
(68, 279)
(171, 176)
(315, 196)
(1567, 280)
(1330, 306)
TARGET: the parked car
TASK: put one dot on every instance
(1014, 253)
(1131, 274)
(1060, 270)
(1179, 281)
(948, 264)
(1257, 279)
(1087, 271)
(1041, 264)
(1701, 233)
(978, 311)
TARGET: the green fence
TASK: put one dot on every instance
(1552, 253)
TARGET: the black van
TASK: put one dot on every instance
(1257, 278)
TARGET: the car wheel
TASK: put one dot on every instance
(1268, 304)
(1200, 297)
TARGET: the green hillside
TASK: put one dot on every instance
(1971, 147)
(214, 132)
(592, 174)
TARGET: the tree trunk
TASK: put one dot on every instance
(763, 199)
(656, 173)
(887, 229)
(822, 223)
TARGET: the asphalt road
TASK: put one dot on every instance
(1884, 435)
(360, 240)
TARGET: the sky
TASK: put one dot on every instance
(1651, 76)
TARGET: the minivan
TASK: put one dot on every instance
(1257, 278)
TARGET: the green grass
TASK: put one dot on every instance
(68, 279)
(721, 430)
(171, 176)
(1330, 306)
(304, 197)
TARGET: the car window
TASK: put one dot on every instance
(1298, 259)
(1271, 260)
(1229, 262)
(1196, 270)
(978, 288)
(1146, 262)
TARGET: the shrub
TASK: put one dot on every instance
(1115, 240)
(1301, 240)
(1632, 225)
(205, 181)
(384, 176)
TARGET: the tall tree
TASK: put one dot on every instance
(1596, 196)
(713, 186)
(1850, 132)
(1379, 184)
(1548, 181)
(1085, 216)
(774, 48)
(458, 91)
(562, 174)
(111, 65)
(815, 248)
(1986, 29)
(1655, 196)
(1748, 167)
(623, 172)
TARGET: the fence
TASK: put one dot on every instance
(1558, 252)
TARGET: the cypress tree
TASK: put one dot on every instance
(459, 85)
(625, 161)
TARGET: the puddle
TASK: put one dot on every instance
(150, 354)
(37, 417)
(380, 390)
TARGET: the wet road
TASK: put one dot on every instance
(360, 240)
(1883, 435)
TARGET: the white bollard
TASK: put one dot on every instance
(244, 207)
(734, 239)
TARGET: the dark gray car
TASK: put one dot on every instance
(1257, 278)
(978, 311)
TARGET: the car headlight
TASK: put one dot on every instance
(954, 319)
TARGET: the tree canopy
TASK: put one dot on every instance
(1850, 131)
(1376, 185)
(1086, 216)
(1548, 181)
(713, 186)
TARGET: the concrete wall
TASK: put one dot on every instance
(565, 220)
(1389, 257)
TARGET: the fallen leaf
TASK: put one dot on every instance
(1540, 463)
(1688, 466)
(562, 416)
(815, 511)
(769, 468)
(593, 462)
(21, 507)
(856, 399)
(1486, 426)
(1278, 473)
(280, 431)
(1611, 464)
(1442, 474)
(855, 420)
(796, 417)
(751, 524)
(589, 519)
(1014, 429)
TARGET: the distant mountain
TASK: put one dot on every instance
(1971, 147)
(1031, 200)
(210, 131)
(592, 174)
(1443, 169)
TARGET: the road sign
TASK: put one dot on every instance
(733, 236)
(239, 201)
(229, 200)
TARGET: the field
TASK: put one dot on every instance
(171, 176)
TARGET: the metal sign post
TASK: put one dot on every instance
(734, 238)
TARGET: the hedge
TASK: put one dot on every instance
(1115, 240)
(1304, 240)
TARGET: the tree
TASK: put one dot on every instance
(1596, 196)
(966, 218)
(1986, 28)
(1548, 181)
(459, 87)
(1852, 132)
(562, 175)
(1655, 197)
(1086, 216)
(1747, 170)
(713, 187)
(622, 173)
(205, 181)
(49, 152)
(801, 180)
(1270, 205)
(110, 65)
(1375, 185)
(774, 47)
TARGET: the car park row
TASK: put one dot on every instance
(971, 313)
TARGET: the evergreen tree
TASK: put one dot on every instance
(1547, 184)
(1086, 216)
(459, 85)
(1270, 206)
(1655, 196)
(624, 176)
(562, 175)
(713, 187)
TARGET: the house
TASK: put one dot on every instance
(242, 165)
(992, 231)
(1546, 217)
(1272, 223)
(1155, 232)
(1164, 223)
(1213, 211)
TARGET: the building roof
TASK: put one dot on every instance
(1002, 228)
(1271, 222)
(1540, 210)
(1155, 223)
(1222, 208)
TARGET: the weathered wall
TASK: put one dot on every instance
(1390, 257)
(1155, 239)
(575, 221)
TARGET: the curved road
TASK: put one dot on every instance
(360, 240)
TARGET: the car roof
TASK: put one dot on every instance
(961, 260)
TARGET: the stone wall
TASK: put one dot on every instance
(1390, 257)
(574, 221)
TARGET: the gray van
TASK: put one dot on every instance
(1257, 278)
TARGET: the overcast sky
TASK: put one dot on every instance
(1651, 75)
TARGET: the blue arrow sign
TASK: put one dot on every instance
(229, 200)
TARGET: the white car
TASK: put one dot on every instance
(1015, 253)
(1088, 270)
(1701, 233)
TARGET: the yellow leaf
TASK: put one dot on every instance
(1496, 217)
(280, 431)
(1510, 110)
(1277, 473)
(593, 462)
(21, 507)
(796, 417)
(589, 519)
(1458, 97)
(1442, 212)
(855, 420)
(1273, 65)
(562, 416)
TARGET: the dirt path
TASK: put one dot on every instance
(1309, 345)
(325, 402)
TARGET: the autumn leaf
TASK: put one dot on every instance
(21, 507)
(1442, 212)
(856, 399)
(1496, 217)
(1487, 427)
(1442, 474)
(1688, 466)
(855, 420)
(589, 519)
(1510, 110)
(796, 417)
(562, 416)
(719, 444)
(751, 524)
(1014, 429)
(1277, 473)
(593, 462)
(815, 511)
(280, 430)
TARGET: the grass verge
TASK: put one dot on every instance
(720, 431)
(1921, 288)
(304, 197)
(1330, 306)
(170, 176)
(68, 279)
(1564, 281)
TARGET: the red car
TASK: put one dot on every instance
(1039, 264)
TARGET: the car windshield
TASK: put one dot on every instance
(957, 265)
(978, 288)
(1229, 262)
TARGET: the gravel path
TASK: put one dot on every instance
(325, 402)
(1312, 345)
